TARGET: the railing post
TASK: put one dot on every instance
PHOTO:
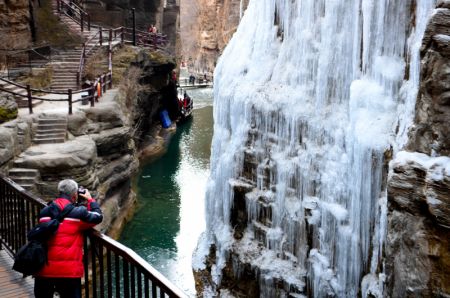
(100, 38)
(122, 32)
(92, 94)
(133, 11)
(30, 99)
(78, 78)
(102, 83)
(81, 22)
(84, 50)
(70, 101)
(110, 79)
(110, 36)
(89, 22)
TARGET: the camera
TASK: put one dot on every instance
(81, 190)
(81, 200)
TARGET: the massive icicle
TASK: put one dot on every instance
(317, 92)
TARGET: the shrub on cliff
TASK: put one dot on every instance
(8, 108)
(40, 78)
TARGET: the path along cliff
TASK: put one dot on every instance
(102, 142)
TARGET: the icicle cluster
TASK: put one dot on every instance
(316, 92)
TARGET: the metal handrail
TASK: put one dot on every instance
(111, 268)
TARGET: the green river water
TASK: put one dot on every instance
(170, 215)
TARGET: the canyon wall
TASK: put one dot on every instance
(418, 234)
(205, 39)
(15, 30)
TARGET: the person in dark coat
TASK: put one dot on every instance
(64, 267)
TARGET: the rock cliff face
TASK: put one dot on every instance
(15, 24)
(217, 20)
(418, 239)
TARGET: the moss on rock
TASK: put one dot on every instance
(8, 108)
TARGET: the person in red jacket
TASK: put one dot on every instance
(64, 267)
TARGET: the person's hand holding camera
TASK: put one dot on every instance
(84, 197)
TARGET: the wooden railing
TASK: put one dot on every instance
(111, 269)
(76, 13)
(92, 91)
(116, 36)
(17, 62)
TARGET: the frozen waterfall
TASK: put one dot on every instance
(317, 94)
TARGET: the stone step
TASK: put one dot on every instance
(23, 180)
(20, 91)
(64, 85)
(11, 87)
(66, 77)
(23, 172)
(66, 68)
(65, 81)
(67, 72)
(52, 121)
(69, 82)
(63, 88)
(42, 127)
(48, 141)
(60, 63)
(71, 59)
(51, 131)
(48, 135)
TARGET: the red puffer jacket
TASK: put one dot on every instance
(65, 249)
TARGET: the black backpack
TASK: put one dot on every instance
(31, 257)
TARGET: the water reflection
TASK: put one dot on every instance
(170, 215)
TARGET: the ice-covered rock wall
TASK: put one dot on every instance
(312, 98)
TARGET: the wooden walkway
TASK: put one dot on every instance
(12, 284)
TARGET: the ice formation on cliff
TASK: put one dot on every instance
(330, 88)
